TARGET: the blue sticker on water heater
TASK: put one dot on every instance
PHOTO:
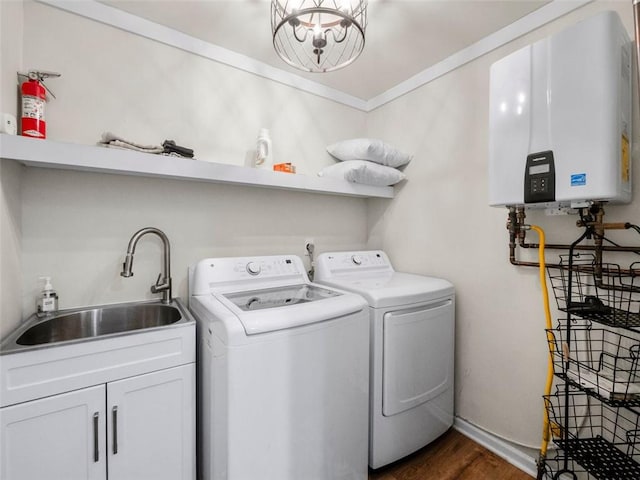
(578, 179)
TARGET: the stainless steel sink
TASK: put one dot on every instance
(99, 321)
(88, 323)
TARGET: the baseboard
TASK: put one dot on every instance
(497, 445)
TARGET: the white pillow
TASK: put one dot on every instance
(366, 173)
(369, 149)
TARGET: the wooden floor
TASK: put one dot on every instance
(452, 457)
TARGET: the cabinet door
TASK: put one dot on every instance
(151, 426)
(58, 437)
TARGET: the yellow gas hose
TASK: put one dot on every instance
(550, 340)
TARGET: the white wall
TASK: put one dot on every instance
(11, 51)
(440, 224)
(10, 243)
(148, 92)
(10, 173)
(75, 226)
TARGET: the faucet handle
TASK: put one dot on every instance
(160, 285)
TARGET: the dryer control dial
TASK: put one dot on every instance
(357, 259)
(253, 268)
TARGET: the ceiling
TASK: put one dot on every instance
(403, 37)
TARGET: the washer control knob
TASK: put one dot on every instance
(253, 268)
(357, 259)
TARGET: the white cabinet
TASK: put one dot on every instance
(142, 427)
(59, 437)
(150, 432)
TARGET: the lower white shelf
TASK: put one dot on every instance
(51, 154)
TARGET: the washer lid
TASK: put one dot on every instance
(285, 307)
(393, 288)
(279, 297)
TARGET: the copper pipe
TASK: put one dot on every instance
(585, 269)
(599, 228)
(605, 248)
(521, 215)
(515, 225)
(512, 226)
(605, 226)
(521, 263)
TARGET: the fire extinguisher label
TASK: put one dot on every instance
(32, 133)
(33, 107)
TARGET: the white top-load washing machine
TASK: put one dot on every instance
(283, 373)
(412, 350)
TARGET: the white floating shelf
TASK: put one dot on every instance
(50, 154)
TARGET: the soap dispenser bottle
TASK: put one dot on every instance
(264, 154)
(48, 299)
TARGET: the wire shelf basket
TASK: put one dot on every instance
(601, 292)
(605, 363)
(603, 441)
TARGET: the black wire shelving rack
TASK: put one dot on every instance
(595, 414)
(601, 292)
(600, 361)
(603, 441)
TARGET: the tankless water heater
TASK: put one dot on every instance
(560, 118)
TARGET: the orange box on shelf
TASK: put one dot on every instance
(284, 167)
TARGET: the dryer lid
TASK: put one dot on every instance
(370, 274)
(393, 288)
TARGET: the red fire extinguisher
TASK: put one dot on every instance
(34, 98)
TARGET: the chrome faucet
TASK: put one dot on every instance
(163, 284)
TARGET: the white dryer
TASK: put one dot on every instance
(412, 350)
(282, 373)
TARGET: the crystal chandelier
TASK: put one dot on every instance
(318, 35)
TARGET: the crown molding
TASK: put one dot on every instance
(545, 14)
(128, 22)
(154, 31)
